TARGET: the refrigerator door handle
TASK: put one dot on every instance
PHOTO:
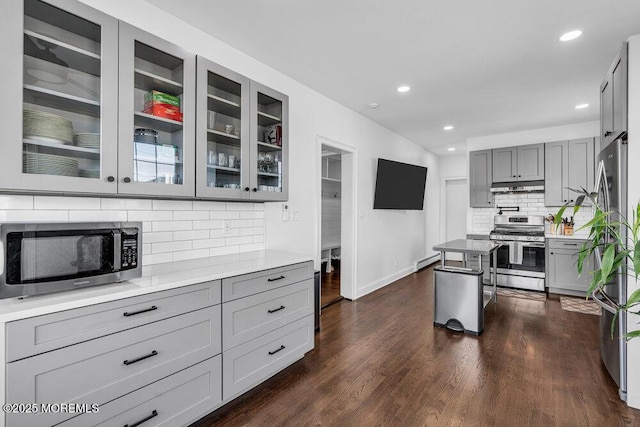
(602, 182)
(599, 296)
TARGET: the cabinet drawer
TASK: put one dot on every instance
(103, 369)
(249, 284)
(249, 317)
(251, 363)
(177, 400)
(566, 244)
(36, 335)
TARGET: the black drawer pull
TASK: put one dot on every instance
(277, 278)
(133, 313)
(129, 362)
(144, 420)
(570, 244)
(276, 309)
(271, 353)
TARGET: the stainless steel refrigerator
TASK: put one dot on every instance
(611, 186)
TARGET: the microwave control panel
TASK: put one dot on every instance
(129, 250)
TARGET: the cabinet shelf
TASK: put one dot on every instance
(224, 169)
(149, 81)
(331, 179)
(223, 106)
(157, 123)
(222, 137)
(77, 58)
(267, 174)
(268, 147)
(61, 101)
(265, 119)
(63, 150)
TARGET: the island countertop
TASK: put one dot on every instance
(467, 246)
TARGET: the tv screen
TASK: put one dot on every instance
(399, 186)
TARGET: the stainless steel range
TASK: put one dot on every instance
(521, 258)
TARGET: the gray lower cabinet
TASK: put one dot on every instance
(166, 358)
(480, 170)
(521, 163)
(561, 269)
(178, 399)
(569, 164)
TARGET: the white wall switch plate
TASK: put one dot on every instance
(226, 227)
(285, 213)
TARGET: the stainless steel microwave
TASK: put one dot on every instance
(44, 258)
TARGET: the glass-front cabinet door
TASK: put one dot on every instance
(60, 112)
(222, 133)
(156, 142)
(270, 144)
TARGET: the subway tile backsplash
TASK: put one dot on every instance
(173, 230)
(529, 203)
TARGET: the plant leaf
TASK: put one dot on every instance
(607, 262)
(636, 258)
(558, 218)
(632, 334)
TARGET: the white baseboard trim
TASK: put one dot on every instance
(422, 263)
(383, 282)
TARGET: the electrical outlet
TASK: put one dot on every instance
(296, 215)
(226, 227)
(285, 213)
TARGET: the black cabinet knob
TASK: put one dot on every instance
(110, 179)
(513, 176)
(571, 200)
(255, 189)
(126, 179)
(551, 253)
(246, 188)
(519, 176)
(565, 201)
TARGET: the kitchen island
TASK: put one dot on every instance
(460, 294)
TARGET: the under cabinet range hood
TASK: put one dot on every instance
(518, 187)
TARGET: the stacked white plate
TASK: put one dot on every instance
(49, 164)
(88, 173)
(46, 127)
(88, 140)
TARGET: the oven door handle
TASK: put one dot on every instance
(532, 245)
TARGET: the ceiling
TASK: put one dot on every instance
(485, 67)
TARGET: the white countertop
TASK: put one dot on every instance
(154, 278)
(575, 236)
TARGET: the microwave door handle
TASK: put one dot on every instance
(117, 250)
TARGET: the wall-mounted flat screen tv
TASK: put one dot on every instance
(399, 186)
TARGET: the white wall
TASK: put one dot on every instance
(633, 389)
(383, 237)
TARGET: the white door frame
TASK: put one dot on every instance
(443, 203)
(349, 207)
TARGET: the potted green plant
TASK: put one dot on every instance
(618, 252)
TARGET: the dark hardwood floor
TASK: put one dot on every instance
(379, 361)
(330, 286)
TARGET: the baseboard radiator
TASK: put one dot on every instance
(425, 262)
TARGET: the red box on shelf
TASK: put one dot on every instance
(164, 112)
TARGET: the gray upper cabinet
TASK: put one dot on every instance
(480, 195)
(521, 163)
(222, 132)
(156, 138)
(505, 164)
(269, 135)
(613, 98)
(569, 164)
(59, 107)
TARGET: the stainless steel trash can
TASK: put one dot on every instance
(458, 302)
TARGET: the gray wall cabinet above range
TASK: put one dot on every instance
(569, 164)
(521, 163)
(480, 195)
(613, 98)
(100, 107)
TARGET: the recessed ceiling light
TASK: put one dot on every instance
(451, 149)
(403, 89)
(581, 106)
(448, 127)
(570, 35)
(374, 105)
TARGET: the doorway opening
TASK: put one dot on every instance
(454, 193)
(336, 225)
